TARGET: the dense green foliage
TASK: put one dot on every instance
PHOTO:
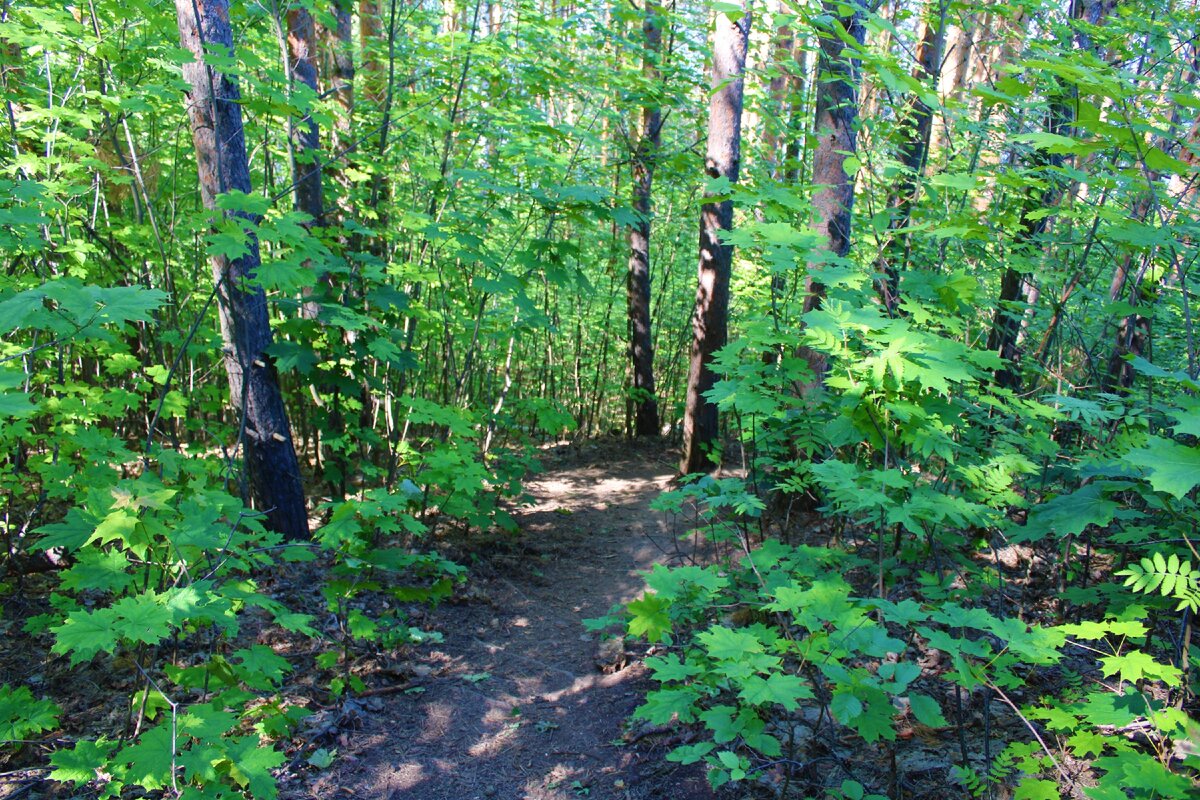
(1028, 513)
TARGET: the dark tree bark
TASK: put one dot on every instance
(306, 137)
(214, 109)
(710, 320)
(917, 122)
(641, 343)
(834, 121)
(1015, 284)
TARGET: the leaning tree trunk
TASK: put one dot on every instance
(710, 323)
(215, 112)
(641, 343)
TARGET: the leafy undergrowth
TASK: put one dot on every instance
(997, 595)
(182, 649)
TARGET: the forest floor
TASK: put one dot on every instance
(519, 701)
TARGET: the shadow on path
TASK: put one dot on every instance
(513, 706)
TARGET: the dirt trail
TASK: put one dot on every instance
(512, 704)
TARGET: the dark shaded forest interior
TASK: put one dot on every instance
(621, 400)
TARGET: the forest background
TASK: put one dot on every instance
(303, 281)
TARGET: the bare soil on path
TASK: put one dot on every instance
(513, 705)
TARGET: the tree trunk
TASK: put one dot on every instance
(776, 121)
(340, 79)
(1007, 320)
(641, 348)
(710, 319)
(370, 32)
(834, 123)
(214, 109)
(1133, 332)
(917, 125)
(306, 137)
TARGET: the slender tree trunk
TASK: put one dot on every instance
(340, 81)
(1003, 339)
(1133, 332)
(776, 120)
(917, 121)
(302, 68)
(641, 343)
(784, 95)
(215, 112)
(710, 321)
(834, 121)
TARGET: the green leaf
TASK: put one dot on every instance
(22, 716)
(1068, 514)
(84, 633)
(249, 765)
(727, 644)
(142, 618)
(691, 753)
(671, 668)
(846, 707)
(1136, 665)
(724, 721)
(927, 711)
(253, 204)
(1170, 467)
(81, 763)
(260, 667)
(648, 617)
(786, 690)
(663, 705)
(1036, 789)
(100, 571)
(150, 759)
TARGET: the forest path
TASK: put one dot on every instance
(512, 705)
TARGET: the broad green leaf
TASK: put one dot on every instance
(727, 644)
(649, 618)
(21, 715)
(1136, 665)
(249, 765)
(79, 764)
(1068, 514)
(1170, 467)
(149, 760)
(84, 633)
(926, 710)
(786, 690)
